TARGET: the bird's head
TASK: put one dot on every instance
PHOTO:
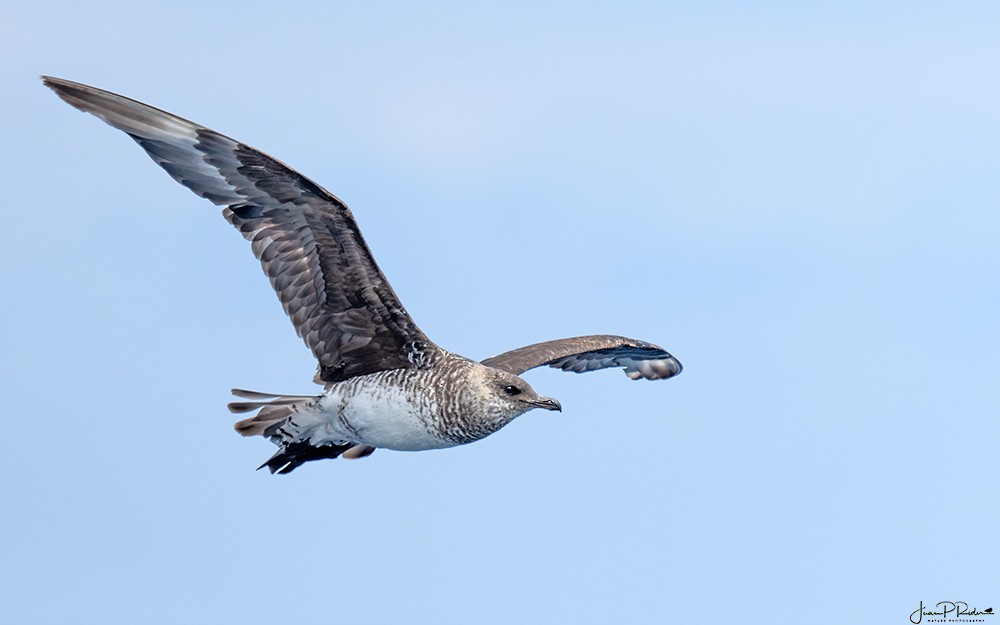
(513, 394)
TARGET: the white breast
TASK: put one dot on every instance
(377, 414)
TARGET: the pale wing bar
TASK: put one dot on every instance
(639, 359)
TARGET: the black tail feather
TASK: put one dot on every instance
(292, 455)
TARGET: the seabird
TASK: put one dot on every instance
(385, 383)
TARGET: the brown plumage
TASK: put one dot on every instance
(639, 359)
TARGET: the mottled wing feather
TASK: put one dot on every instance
(305, 238)
(589, 353)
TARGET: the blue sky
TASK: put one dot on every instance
(800, 201)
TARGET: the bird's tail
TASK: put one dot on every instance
(271, 410)
(274, 421)
(290, 456)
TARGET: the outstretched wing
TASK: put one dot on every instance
(589, 353)
(305, 238)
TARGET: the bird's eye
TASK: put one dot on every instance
(510, 389)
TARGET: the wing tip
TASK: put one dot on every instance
(658, 369)
(63, 88)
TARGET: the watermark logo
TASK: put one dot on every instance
(950, 612)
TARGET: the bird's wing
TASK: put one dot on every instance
(305, 238)
(589, 353)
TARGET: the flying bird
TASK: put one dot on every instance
(385, 384)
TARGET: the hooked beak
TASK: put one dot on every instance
(546, 402)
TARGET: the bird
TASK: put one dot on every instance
(385, 383)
